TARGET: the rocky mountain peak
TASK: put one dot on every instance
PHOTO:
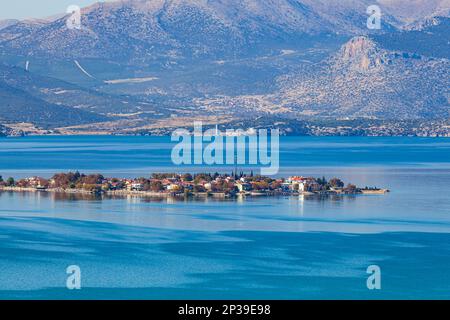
(358, 46)
(360, 53)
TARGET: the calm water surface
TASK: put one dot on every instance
(285, 247)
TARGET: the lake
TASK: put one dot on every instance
(258, 248)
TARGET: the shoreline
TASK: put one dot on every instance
(94, 134)
(149, 194)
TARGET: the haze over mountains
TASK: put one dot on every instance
(137, 62)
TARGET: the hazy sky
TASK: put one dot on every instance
(21, 9)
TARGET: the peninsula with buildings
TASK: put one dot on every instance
(187, 185)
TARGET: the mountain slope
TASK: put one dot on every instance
(7, 23)
(429, 37)
(18, 106)
(137, 30)
(59, 92)
(410, 11)
(363, 80)
(135, 60)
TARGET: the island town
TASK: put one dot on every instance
(186, 185)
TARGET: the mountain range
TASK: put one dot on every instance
(360, 81)
(135, 63)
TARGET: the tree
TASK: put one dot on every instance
(275, 185)
(322, 181)
(156, 186)
(336, 183)
(10, 182)
(22, 183)
(43, 182)
(216, 187)
(66, 180)
(260, 185)
(202, 177)
(120, 185)
(145, 183)
(106, 186)
(177, 189)
(199, 188)
(162, 176)
(351, 188)
(92, 179)
(1, 179)
(92, 188)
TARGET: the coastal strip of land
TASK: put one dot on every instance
(186, 185)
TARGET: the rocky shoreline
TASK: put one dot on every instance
(188, 194)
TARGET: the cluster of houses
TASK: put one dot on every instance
(241, 185)
(165, 183)
(302, 184)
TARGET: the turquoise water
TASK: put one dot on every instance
(276, 248)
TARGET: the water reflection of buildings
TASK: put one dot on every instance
(301, 204)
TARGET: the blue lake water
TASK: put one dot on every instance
(276, 248)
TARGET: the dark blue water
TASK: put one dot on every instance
(279, 248)
(141, 155)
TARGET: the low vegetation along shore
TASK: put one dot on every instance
(170, 184)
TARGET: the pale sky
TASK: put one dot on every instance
(23, 9)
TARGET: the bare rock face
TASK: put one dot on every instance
(361, 53)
